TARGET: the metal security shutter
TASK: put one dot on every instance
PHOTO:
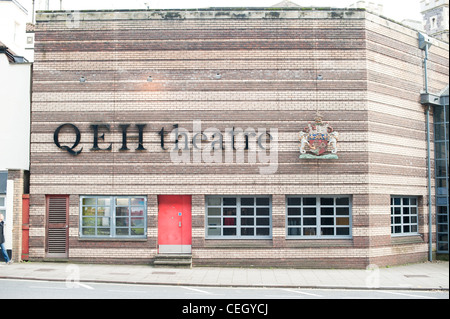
(57, 226)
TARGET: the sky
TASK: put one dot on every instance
(394, 9)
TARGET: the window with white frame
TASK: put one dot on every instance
(113, 216)
(243, 217)
(318, 217)
(404, 215)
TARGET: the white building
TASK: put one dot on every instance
(14, 16)
(15, 99)
(15, 86)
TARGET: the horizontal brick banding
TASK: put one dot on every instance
(203, 45)
(209, 34)
(317, 263)
(243, 117)
(207, 86)
(180, 75)
(243, 69)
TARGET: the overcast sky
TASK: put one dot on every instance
(394, 9)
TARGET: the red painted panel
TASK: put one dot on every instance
(174, 220)
(25, 226)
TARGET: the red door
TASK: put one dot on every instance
(174, 224)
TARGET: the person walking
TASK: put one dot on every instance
(2, 240)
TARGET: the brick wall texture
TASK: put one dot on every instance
(269, 62)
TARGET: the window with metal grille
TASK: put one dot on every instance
(318, 217)
(404, 215)
(441, 160)
(243, 217)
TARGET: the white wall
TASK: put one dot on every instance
(14, 115)
(15, 101)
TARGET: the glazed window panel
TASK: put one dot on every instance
(318, 217)
(113, 217)
(441, 137)
(404, 216)
(3, 205)
(238, 217)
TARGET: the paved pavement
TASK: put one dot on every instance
(422, 276)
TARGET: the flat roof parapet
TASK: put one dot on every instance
(208, 13)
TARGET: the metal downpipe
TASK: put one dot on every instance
(430, 231)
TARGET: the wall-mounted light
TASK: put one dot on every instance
(149, 79)
(218, 76)
(319, 77)
(82, 79)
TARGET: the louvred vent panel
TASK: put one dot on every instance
(57, 241)
(57, 228)
(57, 211)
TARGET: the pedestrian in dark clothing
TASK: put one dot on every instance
(2, 240)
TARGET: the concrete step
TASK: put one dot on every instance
(173, 260)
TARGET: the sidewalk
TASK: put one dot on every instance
(423, 276)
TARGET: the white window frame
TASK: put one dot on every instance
(403, 215)
(209, 219)
(112, 225)
(297, 221)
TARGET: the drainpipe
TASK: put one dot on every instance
(424, 44)
(430, 231)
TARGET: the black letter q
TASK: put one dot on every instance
(77, 141)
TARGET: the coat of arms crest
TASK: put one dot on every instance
(319, 139)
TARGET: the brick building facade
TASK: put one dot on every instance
(207, 106)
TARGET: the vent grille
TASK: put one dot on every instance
(57, 241)
(57, 210)
(57, 227)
